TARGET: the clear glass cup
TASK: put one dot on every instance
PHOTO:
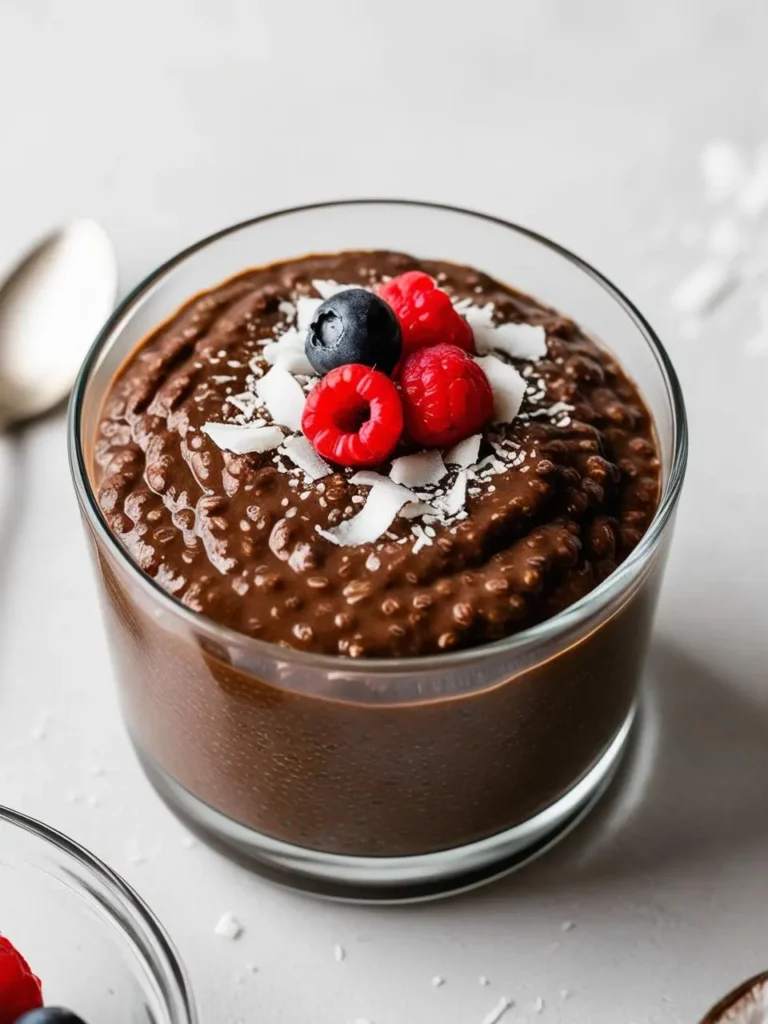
(383, 778)
(97, 947)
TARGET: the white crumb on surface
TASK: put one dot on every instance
(722, 168)
(483, 981)
(498, 1011)
(538, 1005)
(37, 732)
(188, 842)
(339, 953)
(232, 437)
(228, 927)
(701, 289)
(567, 926)
(565, 993)
(438, 981)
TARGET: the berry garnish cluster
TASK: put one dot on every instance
(395, 366)
(21, 993)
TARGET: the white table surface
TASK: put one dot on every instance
(166, 119)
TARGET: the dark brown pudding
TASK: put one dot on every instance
(563, 494)
(332, 756)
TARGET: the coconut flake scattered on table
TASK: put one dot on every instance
(703, 287)
(420, 470)
(518, 341)
(498, 1011)
(464, 453)
(283, 397)
(508, 387)
(243, 439)
(302, 454)
(373, 520)
(228, 927)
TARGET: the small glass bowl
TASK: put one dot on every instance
(96, 946)
(365, 778)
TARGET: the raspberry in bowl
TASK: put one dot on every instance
(380, 536)
(78, 946)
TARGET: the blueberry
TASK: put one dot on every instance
(50, 1015)
(354, 326)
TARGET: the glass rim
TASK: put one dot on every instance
(575, 615)
(155, 943)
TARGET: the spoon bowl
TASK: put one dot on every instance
(51, 308)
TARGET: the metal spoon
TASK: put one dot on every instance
(51, 309)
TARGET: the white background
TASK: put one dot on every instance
(585, 119)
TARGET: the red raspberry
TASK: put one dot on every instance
(446, 396)
(20, 990)
(353, 416)
(425, 313)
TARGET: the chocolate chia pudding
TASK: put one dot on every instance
(554, 500)
(485, 488)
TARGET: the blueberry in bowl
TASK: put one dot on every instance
(354, 326)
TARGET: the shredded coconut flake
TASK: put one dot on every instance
(367, 478)
(421, 470)
(231, 437)
(288, 351)
(305, 311)
(454, 500)
(246, 402)
(416, 509)
(302, 454)
(464, 453)
(374, 519)
(519, 341)
(282, 395)
(327, 289)
(422, 539)
(508, 387)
